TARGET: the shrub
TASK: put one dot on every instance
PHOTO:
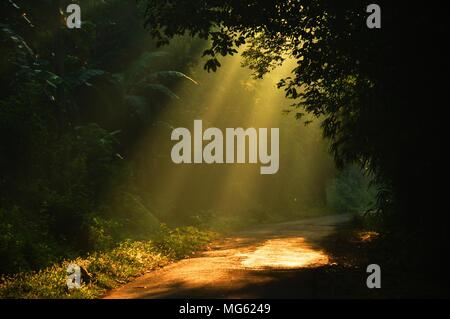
(108, 269)
(350, 192)
(180, 242)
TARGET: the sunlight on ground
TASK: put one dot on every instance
(241, 266)
(367, 236)
(285, 253)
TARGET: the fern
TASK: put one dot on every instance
(139, 77)
(162, 89)
(162, 75)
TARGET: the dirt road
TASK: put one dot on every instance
(272, 261)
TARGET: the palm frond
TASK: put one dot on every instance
(162, 89)
(162, 75)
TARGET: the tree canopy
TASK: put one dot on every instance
(378, 91)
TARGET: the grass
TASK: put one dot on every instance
(108, 269)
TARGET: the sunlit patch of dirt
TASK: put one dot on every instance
(367, 236)
(244, 265)
(284, 253)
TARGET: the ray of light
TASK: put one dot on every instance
(173, 186)
(264, 113)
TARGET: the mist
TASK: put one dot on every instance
(232, 193)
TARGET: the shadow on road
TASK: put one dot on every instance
(284, 260)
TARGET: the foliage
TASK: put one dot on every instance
(376, 90)
(351, 192)
(68, 119)
(140, 80)
(181, 242)
(108, 269)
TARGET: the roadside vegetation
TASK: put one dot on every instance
(108, 269)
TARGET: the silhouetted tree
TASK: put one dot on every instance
(381, 92)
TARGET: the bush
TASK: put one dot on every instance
(351, 192)
(108, 269)
(181, 242)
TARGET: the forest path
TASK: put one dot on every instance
(270, 261)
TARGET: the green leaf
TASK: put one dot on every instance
(162, 89)
(137, 103)
(89, 74)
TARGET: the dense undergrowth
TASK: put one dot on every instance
(70, 115)
(107, 269)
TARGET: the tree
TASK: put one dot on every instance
(67, 118)
(378, 90)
